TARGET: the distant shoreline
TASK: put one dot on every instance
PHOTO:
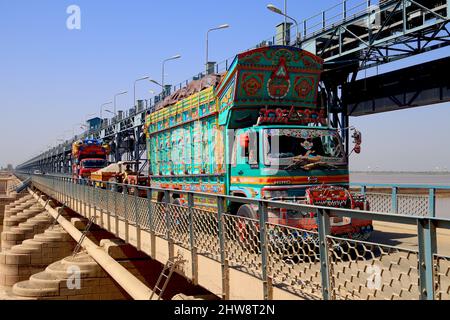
(404, 172)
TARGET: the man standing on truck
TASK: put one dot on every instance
(126, 173)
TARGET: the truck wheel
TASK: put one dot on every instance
(248, 230)
(177, 202)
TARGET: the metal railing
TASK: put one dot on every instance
(416, 199)
(312, 264)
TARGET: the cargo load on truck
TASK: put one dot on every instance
(119, 173)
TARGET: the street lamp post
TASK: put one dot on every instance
(273, 8)
(109, 111)
(223, 26)
(156, 82)
(101, 108)
(140, 79)
(115, 96)
(163, 64)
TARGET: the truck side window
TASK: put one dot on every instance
(252, 149)
(234, 153)
(249, 148)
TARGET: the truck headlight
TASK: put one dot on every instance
(270, 194)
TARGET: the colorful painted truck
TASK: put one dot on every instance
(88, 156)
(256, 131)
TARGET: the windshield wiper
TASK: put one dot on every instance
(318, 164)
(299, 162)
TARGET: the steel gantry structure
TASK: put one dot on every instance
(124, 133)
(352, 36)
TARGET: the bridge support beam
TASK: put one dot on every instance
(324, 229)
(426, 231)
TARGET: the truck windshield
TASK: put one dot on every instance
(302, 148)
(93, 164)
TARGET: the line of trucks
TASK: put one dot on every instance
(256, 131)
(90, 161)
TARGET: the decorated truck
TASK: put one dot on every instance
(88, 155)
(256, 131)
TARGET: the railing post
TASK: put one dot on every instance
(136, 215)
(116, 211)
(394, 200)
(168, 224)
(263, 214)
(69, 192)
(149, 208)
(222, 246)
(323, 222)
(432, 203)
(166, 205)
(125, 213)
(193, 247)
(108, 213)
(101, 203)
(96, 201)
(92, 201)
(68, 189)
(76, 196)
(363, 190)
(85, 198)
(426, 231)
(150, 223)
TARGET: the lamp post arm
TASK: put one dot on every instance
(296, 26)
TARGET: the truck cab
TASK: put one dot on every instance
(90, 165)
(272, 162)
(300, 164)
(88, 155)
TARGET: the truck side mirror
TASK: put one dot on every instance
(357, 140)
(244, 140)
(249, 146)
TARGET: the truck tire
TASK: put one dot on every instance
(177, 202)
(247, 211)
(248, 231)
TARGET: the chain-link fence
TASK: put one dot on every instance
(442, 277)
(312, 264)
(364, 270)
(294, 260)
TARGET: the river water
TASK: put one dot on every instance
(442, 199)
(401, 178)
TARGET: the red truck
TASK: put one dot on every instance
(88, 156)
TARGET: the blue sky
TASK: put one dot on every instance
(51, 78)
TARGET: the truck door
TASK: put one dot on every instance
(244, 162)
